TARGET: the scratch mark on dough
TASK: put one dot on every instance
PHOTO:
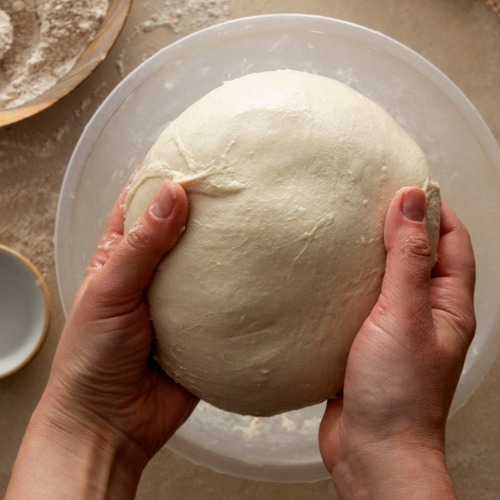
(308, 236)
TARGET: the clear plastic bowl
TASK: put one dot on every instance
(462, 151)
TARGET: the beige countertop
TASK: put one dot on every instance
(461, 37)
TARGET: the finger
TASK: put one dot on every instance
(454, 276)
(405, 287)
(110, 238)
(113, 231)
(130, 268)
(332, 414)
(328, 429)
(455, 255)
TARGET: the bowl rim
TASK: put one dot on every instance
(393, 46)
(42, 333)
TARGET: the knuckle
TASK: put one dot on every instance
(139, 236)
(465, 324)
(105, 249)
(416, 246)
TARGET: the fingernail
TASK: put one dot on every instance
(164, 201)
(413, 205)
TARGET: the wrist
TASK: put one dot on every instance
(88, 459)
(387, 472)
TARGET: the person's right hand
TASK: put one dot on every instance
(385, 437)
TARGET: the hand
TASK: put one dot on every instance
(107, 401)
(385, 437)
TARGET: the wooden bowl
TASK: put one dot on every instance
(95, 52)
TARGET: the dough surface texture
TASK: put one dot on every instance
(289, 176)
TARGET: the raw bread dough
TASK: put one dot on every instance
(289, 176)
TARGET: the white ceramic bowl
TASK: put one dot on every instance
(24, 311)
(462, 151)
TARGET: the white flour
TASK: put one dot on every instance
(6, 34)
(172, 18)
(47, 37)
(175, 14)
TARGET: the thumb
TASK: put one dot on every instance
(132, 264)
(405, 288)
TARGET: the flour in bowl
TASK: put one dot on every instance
(43, 40)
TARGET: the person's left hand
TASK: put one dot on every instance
(107, 400)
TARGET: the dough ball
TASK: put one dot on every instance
(289, 177)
